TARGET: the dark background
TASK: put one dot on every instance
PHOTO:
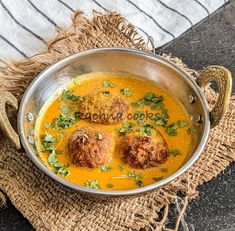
(210, 42)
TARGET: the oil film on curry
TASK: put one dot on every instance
(113, 131)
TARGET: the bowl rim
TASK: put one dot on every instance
(128, 192)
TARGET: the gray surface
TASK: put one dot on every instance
(211, 42)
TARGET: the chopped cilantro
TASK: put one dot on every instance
(47, 125)
(47, 143)
(146, 131)
(126, 128)
(139, 116)
(126, 91)
(106, 168)
(77, 80)
(106, 92)
(139, 182)
(157, 106)
(120, 167)
(65, 121)
(182, 123)
(63, 170)
(148, 96)
(108, 84)
(189, 131)
(65, 109)
(171, 129)
(175, 152)
(58, 152)
(100, 136)
(94, 184)
(164, 170)
(158, 178)
(132, 174)
(109, 185)
(150, 99)
(68, 95)
(58, 167)
(139, 103)
(136, 177)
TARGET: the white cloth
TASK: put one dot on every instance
(25, 25)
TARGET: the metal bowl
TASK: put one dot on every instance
(148, 65)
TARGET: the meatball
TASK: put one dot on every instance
(104, 108)
(89, 147)
(143, 151)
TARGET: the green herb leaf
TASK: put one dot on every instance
(164, 170)
(157, 106)
(132, 174)
(126, 128)
(47, 125)
(94, 184)
(109, 185)
(108, 84)
(182, 123)
(126, 91)
(106, 168)
(175, 152)
(139, 182)
(53, 161)
(58, 167)
(65, 110)
(146, 131)
(58, 152)
(136, 177)
(171, 129)
(151, 100)
(77, 80)
(120, 167)
(189, 131)
(47, 143)
(148, 96)
(100, 136)
(106, 92)
(67, 95)
(138, 103)
(63, 170)
(63, 121)
(158, 178)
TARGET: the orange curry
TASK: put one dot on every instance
(58, 120)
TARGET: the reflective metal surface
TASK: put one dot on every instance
(148, 65)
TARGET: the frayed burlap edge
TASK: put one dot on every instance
(50, 206)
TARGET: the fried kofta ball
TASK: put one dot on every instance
(89, 147)
(104, 108)
(144, 151)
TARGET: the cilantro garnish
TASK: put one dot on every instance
(171, 129)
(68, 95)
(158, 178)
(126, 92)
(175, 152)
(109, 185)
(106, 168)
(108, 84)
(94, 184)
(126, 128)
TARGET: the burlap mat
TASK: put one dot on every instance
(50, 206)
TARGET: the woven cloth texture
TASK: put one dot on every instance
(51, 206)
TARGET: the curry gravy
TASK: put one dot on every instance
(117, 175)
